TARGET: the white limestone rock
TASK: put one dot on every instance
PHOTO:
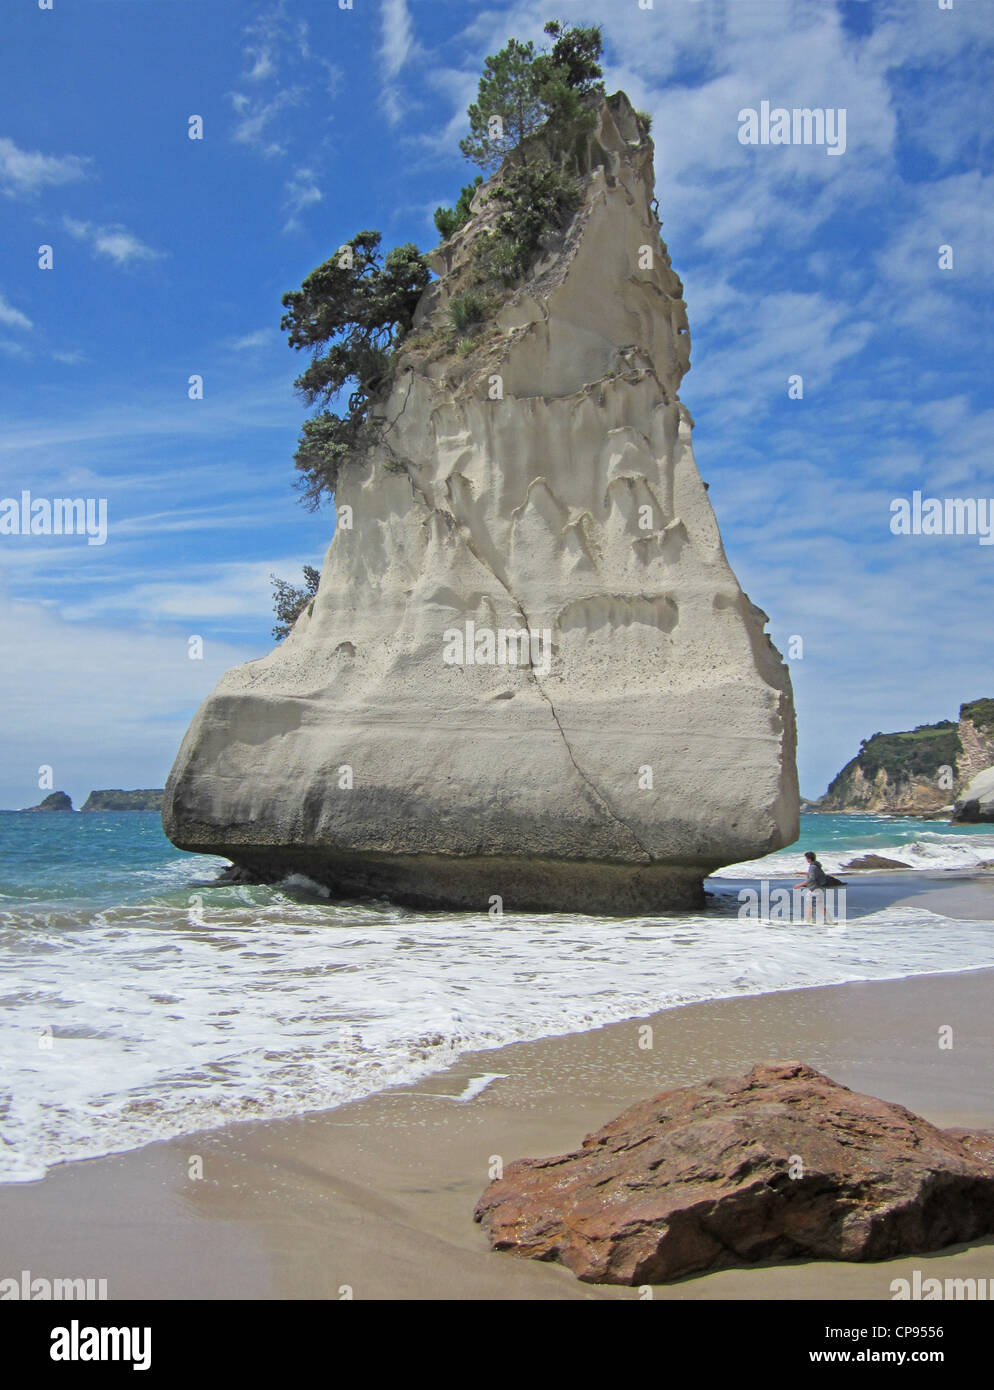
(651, 742)
(976, 802)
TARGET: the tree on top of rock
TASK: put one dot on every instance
(508, 107)
(575, 54)
(520, 90)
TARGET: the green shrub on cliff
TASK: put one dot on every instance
(980, 714)
(526, 97)
(539, 200)
(289, 602)
(467, 309)
(449, 220)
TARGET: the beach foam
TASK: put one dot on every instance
(921, 850)
(143, 1022)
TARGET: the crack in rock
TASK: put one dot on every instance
(598, 795)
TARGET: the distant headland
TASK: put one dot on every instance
(940, 770)
(113, 799)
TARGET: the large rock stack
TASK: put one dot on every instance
(529, 670)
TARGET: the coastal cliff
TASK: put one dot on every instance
(976, 736)
(920, 771)
(528, 672)
(975, 793)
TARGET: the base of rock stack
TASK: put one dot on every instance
(469, 884)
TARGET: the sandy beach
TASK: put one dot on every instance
(375, 1198)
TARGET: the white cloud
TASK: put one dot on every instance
(397, 46)
(25, 172)
(206, 593)
(396, 36)
(115, 242)
(272, 40)
(262, 67)
(301, 192)
(279, 66)
(121, 424)
(256, 116)
(11, 317)
(261, 337)
(122, 725)
(758, 344)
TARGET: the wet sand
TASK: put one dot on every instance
(375, 1199)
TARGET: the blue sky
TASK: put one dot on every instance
(171, 255)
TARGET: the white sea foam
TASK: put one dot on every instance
(145, 1022)
(928, 850)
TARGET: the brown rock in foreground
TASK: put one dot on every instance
(699, 1178)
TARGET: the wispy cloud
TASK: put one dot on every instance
(279, 65)
(397, 44)
(217, 592)
(11, 317)
(255, 117)
(248, 342)
(105, 426)
(26, 172)
(270, 39)
(301, 192)
(115, 242)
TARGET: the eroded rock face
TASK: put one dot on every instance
(778, 1164)
(976, 802)
(976, 742)
(624, 727)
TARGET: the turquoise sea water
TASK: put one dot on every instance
(141, 1001)
(104, 859)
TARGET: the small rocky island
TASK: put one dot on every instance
(55, 801)
(528, 672)
(113, 799)
(147, 799)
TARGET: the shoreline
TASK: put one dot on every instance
(769, 965)
(376, 1196)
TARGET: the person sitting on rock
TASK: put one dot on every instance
(814, 888)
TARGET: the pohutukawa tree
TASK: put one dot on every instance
(351, 312)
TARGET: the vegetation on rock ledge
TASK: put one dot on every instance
(532, 114)
(289, 602)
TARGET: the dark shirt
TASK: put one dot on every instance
(816, 875)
